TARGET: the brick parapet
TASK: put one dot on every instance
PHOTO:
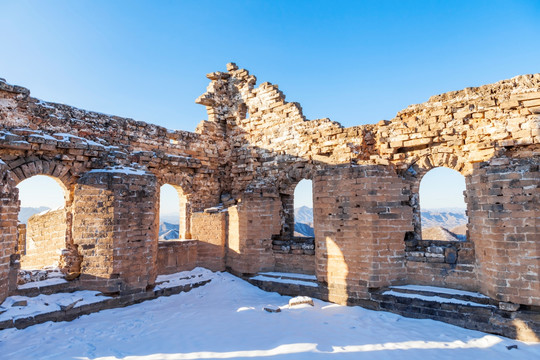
(45, 238)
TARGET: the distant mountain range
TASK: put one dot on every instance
(303, 215)
(168, 231)
(303, 222)
(437, 224)
(444, 217)
(26, 212)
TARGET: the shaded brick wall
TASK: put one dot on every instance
(45, 237)
(210, 232)
(252, 223)
(295, 263)
(176, 255)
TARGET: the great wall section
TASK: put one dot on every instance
(236, 175)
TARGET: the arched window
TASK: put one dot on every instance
(42, 222)
(173, 213)
(442, 205)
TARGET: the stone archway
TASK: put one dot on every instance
(420, 166)
(24, 168)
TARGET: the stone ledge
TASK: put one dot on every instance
(111, 303)
(520, 325)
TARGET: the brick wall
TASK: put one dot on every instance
(252, 223)
(449, 264)
(505, 227)
(209, 229)
(45, 237)
(361, 215)
(176, 255)
(294, 263)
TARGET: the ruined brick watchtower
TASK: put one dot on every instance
(247, 159)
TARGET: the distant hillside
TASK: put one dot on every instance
(303, 215)
(303, 222)
(459, 230)
(447, 218)
(27, 212)
(303, 230)
(440, 233)
(168, 231)
(453, 222)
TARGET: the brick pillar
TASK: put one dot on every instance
(116, 229)
(504, 218)
(251, 225)
(9, 211)
(360, 223)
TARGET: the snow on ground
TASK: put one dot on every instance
(225, 320)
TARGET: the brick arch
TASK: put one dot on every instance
(183, 181)
(419, 167)
(24, 168)
(293, 176)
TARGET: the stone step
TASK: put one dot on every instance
(438, 293)
(291, 284)
(462, 308)
(435, 303)
(46, 287)
(288, 277)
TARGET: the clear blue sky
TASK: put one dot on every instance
(355, 62)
